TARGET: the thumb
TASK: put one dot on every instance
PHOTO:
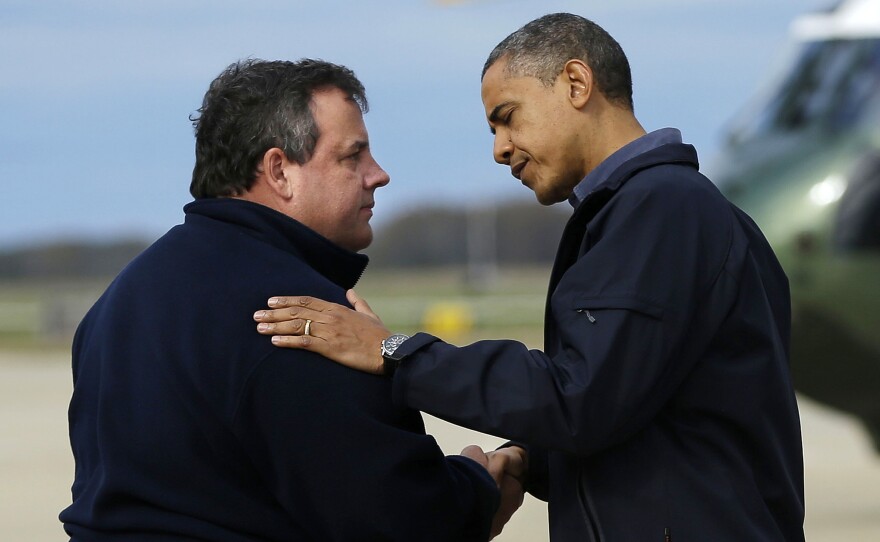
(476, 453)
(360, 304)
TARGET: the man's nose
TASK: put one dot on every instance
(378, 176)
(502, 149)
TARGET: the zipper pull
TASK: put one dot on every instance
(590, 317)
(667, 535)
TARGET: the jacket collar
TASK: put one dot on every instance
(672, 153)
(634, 148)
(337, 264)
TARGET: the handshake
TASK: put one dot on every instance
(508, 467)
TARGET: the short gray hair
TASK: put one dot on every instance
(542, 47)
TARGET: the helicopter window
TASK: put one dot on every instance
(857, 224)
(832, 85)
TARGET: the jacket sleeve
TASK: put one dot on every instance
(348, 465)
(632, 315)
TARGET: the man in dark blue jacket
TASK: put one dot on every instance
(188, 425)
(661, 407)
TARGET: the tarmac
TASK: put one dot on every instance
(842, 471)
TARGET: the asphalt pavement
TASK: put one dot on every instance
(842, 472)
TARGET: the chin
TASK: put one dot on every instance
(359, 243)
(546, 198)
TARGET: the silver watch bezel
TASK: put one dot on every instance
(392, 343)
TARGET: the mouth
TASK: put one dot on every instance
(516, 169)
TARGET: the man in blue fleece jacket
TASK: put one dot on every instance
(188, 425)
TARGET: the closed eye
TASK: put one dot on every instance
(355, 150)
(496, 118)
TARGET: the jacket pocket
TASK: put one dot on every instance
(587, 303)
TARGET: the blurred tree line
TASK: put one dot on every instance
(515, 233)
(69, 259)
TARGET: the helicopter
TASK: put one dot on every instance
(804, 162)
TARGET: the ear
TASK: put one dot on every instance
(277, 172)
(579, 78)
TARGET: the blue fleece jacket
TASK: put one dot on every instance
(188, 425)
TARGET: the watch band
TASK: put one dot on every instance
(389, 366)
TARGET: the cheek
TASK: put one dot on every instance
(531, 137)
(347, 204)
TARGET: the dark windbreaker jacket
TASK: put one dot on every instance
(662, 403)
(188, 425)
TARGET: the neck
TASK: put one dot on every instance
(614, 128)
(260, 192)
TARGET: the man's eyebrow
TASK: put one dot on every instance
(494, 115)
(356, 145)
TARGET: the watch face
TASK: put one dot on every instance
(390, 344)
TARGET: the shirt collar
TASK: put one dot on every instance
(643, 144)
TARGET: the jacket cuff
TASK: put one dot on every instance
(406, 350)
(487, 497)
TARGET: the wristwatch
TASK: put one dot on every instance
(388, 347)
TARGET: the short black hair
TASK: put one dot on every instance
(542, 47)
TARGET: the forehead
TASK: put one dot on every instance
(500, 88)
(338, 117)
(494, 83)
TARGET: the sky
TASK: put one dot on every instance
(95, 95)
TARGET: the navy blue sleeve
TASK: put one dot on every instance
(632, 315)
(348, 465)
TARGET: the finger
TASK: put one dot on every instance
(497, 464)
(516, 460)
(302, 342)
(509, 460)
(281, 302)
(288, 327)
(360, 304)
(476, 453)
(291, 313)
(516, 464)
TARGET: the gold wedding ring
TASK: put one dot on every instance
(308, 328)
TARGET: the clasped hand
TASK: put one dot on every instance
(508, 467)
